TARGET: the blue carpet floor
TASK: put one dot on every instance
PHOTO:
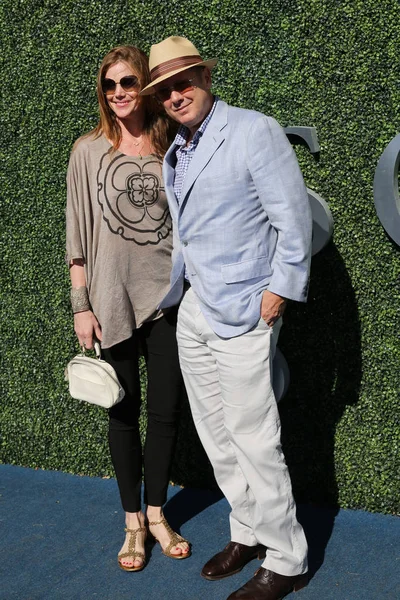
(60, 535)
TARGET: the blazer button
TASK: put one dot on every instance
(185, 243)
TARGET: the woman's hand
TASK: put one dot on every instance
(87, 328)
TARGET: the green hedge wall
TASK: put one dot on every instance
(332, 64)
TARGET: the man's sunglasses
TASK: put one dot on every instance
(183, 86)
(128, 84)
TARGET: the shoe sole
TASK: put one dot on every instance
(177, 556)
(131, 569)
(216, 577)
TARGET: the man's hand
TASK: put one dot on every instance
(87, 328)
(272, 307)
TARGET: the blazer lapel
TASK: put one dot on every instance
(168, 175)
(209, 143)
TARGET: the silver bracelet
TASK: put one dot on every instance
(79, 299)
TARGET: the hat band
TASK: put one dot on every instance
(173, 65)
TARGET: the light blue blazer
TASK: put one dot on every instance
(244, 222)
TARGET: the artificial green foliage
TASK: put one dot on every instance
(331, 64)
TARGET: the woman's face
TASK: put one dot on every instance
(122, 94)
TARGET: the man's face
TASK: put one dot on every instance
(190, 106)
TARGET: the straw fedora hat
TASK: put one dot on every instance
(171, 56)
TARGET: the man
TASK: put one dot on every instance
(242, 241)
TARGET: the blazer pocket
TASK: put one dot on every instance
(247, 269)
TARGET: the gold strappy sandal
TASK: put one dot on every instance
(174, 540)
(132, 552)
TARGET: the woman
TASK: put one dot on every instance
(119, 244)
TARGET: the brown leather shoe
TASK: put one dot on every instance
(231, 560)
(267, 585)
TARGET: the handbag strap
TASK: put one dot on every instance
(96, 349)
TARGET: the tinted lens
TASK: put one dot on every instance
(108, 85)
(163, 94)
(183, 86)
(129, 83)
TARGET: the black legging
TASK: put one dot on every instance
(157, 341)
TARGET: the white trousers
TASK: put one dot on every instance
(228, 382)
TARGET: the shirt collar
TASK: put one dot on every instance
(183, 131)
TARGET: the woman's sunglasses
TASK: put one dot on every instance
(129, 83)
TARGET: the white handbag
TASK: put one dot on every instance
(93, 380)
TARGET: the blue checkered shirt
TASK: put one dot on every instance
(184, 154)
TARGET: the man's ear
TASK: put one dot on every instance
(207, 78)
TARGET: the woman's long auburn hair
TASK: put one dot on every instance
(157, 125)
